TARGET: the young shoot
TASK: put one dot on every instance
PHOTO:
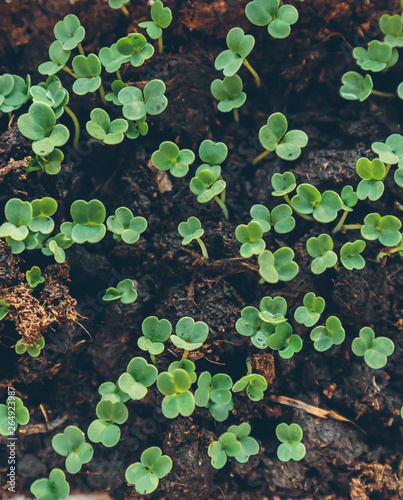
(214, 393)
(277, 266)
(125, 227)
(33, 350)
(372, 174)
(272, 13)
(4, 308)
(69, 32)
(189, 335)
(155, 333)
(88, 69)
(251, 238)
(229, 94)
(323, 207)
(54, 488)
(103, 430)
(145, 475)
(138, 377)
(377, 57)
(310, 312)
(386, 229)
(280, 218)
(120, 4)
(88, 221)
(161, 18)
(192, 230)
(112, 392)
(34, 277)
(124, 291)
(350, 254)
(207, 186)
(14, 92)
(291, 447)
(284, 341)
(321, 249)
(324, 337)
(374, 350)
(14, 406)
(170, 157)
(58, 59)
(136, 48)
(103, 129)
(175, 387)
(71, 444)
(137, 104)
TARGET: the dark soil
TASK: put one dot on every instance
(93, 342)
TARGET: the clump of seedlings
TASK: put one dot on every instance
(374, 350)
(291, 447)
(192, 230)
(145, 475)
(71, 444)
(214, 393)
(124, 292)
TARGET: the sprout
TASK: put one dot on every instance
(390, 151)
(284, 341)
(175, 387)
(251, 325)
(277, 266)
(120, 4)
(321, 249)
(228, 93)
(372, 172)
(137, 128)
(111, 59)
(214, 393)
(42, 211)
(69, 32)
(112, 392)
(324, 337)
(192, 230)
(137, 378)
(136, 48)
(274, 137)
(101, 128)
(103, 430)
(378, 56)
(385, 229)
(88, 221)
(212, 153)
(54, 488)
(125, 227)
(50, 164)
(124, 291)
(310, 312)
(187, 365)
(283, 183)
(278, 18)
(324, 207)
(249, 445)
(71, 444)
(399, 177)
(155, 333)
(161, 18)
(392, 28)
(170, 157)
(15, 408)
(355, 86)
(39, 125)
(58, 58)
(34, 277)
(350, 254)
(254, 384)
(116, 86)
(14, 92)
(291, 447)
(88, 70)
(349, 198)
(145, 475)
(4, 308)
(251, 238)
(19, 215)
(207, 186)
(137, 103)
(51, 93)
(280, 218)
(190, 335)
(374, 350)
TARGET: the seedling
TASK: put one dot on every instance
(284, 341)
(33, 350)
(310, 312)
(14, 92)
(400, 90)
(88, 69)
(214, 393)
(19, 215)
(12, 414)
(145, 475)
(392, 27)
(161, 18)
(103, 430)
(355, 86)
(251, 325)
(190, 335)
(136, 48)
(251, 238)
(385, 229)
(280, 218)
(125, 227)
(175, 387)
(283, 183)
(51, 93)
(137, 378)
(88, 221)
(124, 291)
(54, 488)
(69, 32)
(349, 199)
(274, 137)
(372, 174)
(192, 230)
(324, 337)
(350, 255)
(112, 392)
(207, 187)
(254, 384)
(229, 95)
(4, 308)
(137, 104)
(278, 18)
(378, 56)
(249, 445)
(116, 87)
(324, 207)
(170, 157)
(273, 311)
(291, 447)
(187, 365)
(71, 444)
(220, 413)
(390, 151)
(155, 333)
(120, 4)
(137, 128)
(58, 59)
(39, 125)
(321, 249)
(277, 266)
(101, 128)
(42, 211)
(212, 153)
(50, 164)
(374, 350)
(112, 60)
(388, 251)
(399, 177)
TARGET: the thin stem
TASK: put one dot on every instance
(260, 157)
(249, 365)
(153, 360)
(76, 126)
(383, 94)
(236, 115)
(203, 248)
(304, 216)
(125, 11)
(341, 222)
(160, 45)
(70, 72)
(118, 75)
(387, 168)
(80, 49)
(389, 252)
(261, 281)
(254, 73)
(351, 226)
(223, 206)
(185, 354)
(337, 268)
(223, 194)
(102, 94)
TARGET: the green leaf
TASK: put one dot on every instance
(374, 350)
(350, 254)
(228, 92)
(69, 31)
(310, 312)
(170, 157)
(190, 230)
(283, 183)
(386, 229)
(355, 86)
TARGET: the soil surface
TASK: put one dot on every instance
(89, 341)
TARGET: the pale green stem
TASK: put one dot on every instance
(80, 49)
(304, 216)
(351, 226)
(125, 11)
(260, 157)
(223, 194)
(340, 223)
(185, 354)
(261, 281)
(381, 255)
(249, 365)
(223, 206)
(153, 360)
(118, 75)
(160, 45)
(203, 248)
(254, 73)
(236, 115)
(76, 126)
(337, 268)
(102, 94)
(383, 94)
(387, 168)
(70, 72)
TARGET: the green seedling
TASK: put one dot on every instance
(284, 341)
(249, 445)
(34, 277)
(323, 207)
(19, 215)
(170, 157)
(190, 335)
(116, 87)
(291, 446)
(103, 430)
(39, 125)
(4, 308)
(251, 238)
(101, 128)
(271, 13)
(112, 60)
(385, 229)
(372, 174)
(51, 93)
(392, 28)
(56, 246)
(321, 249)
(54, 488)
(207, 187)
(239, 47)
(254, 384)
(350, 255)
(12, 414)
(136, 48)
(145, 475)
(88, 69)
(125, 227)
(69, 31)
(58, 59)
(389, 251)
(112, 392)
(42, 211)
(14, 92)
(187, 365)
(33, 350)
(155, 333)
(273, 311)
(120, 4)
(229, 95)
(251, 325)
(124, 291)
(161, 18)
(390, 151)
(192, 230)
(374, 350)
(274, 137)
(378, 56)
(349, 198)
(310, 312)
(137, 104)
(88, 221)
(175, 387)
(283, 183)
(137, 128)
(212, 153)
(324, 337)
(355, 86)
(280, 218)
(277, 266)
(137, 378)
(50, 164)
(399, 177)
(71, 444)
(214, 393)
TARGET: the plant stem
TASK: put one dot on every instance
(383, 94)
(185, 354)
(337, 268)
(80, 49)
(351, 226)
(261, 281)
(69, 71)
(249, 365)
(125, 11)
(160, 45)
(118, 75)
(203, 248)
(387, 168)
(254, 73)
(304, 216)
(153, 360)
(76, 126)
(102, 94)
(260, 157)
(236, 115)
(223, 206)
(341, 222)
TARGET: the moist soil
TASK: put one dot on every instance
(89, 341)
